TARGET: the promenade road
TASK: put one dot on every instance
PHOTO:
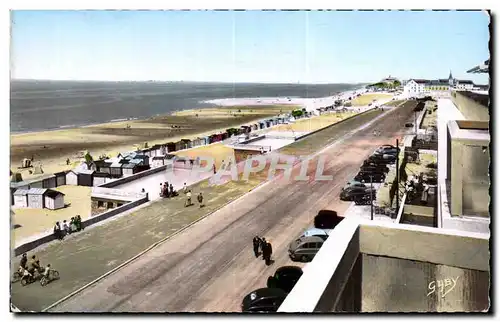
(211, 266)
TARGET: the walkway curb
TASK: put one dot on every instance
(260, 185)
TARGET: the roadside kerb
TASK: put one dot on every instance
(259, 186)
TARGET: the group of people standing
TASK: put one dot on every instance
(167, 190)
(264, 246)
(74, 225)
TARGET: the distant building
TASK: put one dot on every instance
(422, 87)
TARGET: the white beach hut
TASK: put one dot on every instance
(21, 198)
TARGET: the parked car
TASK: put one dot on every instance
(263, 300)
(321, 233)
(378, 168)
(364, 176)
(350, 193)
(305, 248)
(285, 278)
(408, 124)
(387, 149)
(327, 219)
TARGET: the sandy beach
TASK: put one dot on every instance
(52, 148)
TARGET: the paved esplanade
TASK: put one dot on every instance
(209, 266)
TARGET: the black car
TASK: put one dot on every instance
(326, 219)
(263, 300)
(349, 194)
(370, 168)
(387, 149)
(285, 278)
(364, 176)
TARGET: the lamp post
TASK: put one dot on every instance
(371, 196)
(397, 176)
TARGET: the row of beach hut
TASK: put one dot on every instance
(162, 149)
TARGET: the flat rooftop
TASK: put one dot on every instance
(367, 266)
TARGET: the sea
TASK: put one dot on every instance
(50, 105)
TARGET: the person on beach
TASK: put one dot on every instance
(200, 200)
(65, 227)
(72, 225)
(58, 231)
(79, 224)
(161, 189)
(185, 188)
(172, 191)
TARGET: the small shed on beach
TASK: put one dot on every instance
(103, 166)
(130, 169)
(100, 178)
(36, 198)
(140, 160)
(21, 198)
(85, 178)
(53, 199)
(180, 145)
(158, 161)
(156, 150)
(171, 147)
(49, 182)
(116, 170)
(60, 178)
(72, 178)
(188, 142)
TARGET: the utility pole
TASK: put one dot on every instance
(397, 176)
(371, 196)
(415, 121)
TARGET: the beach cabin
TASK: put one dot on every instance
(72, 178)
(60, 178)
(171, 147)
(85, 178)
(49, 182)
(130, 169)
(262, 125)
(116, 170)
(180, 145)
(53, 199)
(158, 161)
(21, 198)
(189, 143)
(156, 150)
(103, 166)
(100, 178)
(36, 198)
(140, 160)
(36, 184)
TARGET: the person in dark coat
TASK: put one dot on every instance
(58, 231)
(172, 191)
(262, 244)
(200, 200)
(267, 252)
(256, 245)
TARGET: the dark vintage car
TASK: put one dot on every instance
(326, 219)
(382, 158)
(354, 183)
(408, 124)
(349, 194)
(285, 278)
(364, 176)
(387, 149)
(264, 300)
(376, 168)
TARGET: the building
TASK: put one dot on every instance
(378, 266)
(36, 198)
(60, 178)
(105, 199)
(423, 87)
(53, 199)
(129, 169)
(21, 198)
(464, 160)
(85, 177)
(159, 161)
(72, 178)
(100, 178)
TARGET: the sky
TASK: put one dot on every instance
(248, 46)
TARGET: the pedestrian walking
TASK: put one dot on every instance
(58, 232)
(65, 227)
(262, 244)
(185, 188)
(188, 199)
(172, 191)
(161, 189)
(256, 245)
(267, 253)
(200, 200)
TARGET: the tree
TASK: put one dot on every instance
(89, 160)
(297, 113)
